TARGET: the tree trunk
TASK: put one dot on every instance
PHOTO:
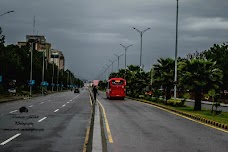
(198, 97)
(168, 95)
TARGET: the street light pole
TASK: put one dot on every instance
(112, 63)
(141, 34)
(30, 92)
(43, 74)
(108, 69)
(6, 13)
(53, 71)
(125, 48)
(176, 46)
(118, 57)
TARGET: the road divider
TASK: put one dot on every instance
(13, 111)
(42, 119)
(106, 123)
(56, 110)
(11, 138)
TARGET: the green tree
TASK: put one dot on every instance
(164, 75)
(199, 75)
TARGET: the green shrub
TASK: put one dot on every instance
(175, 102)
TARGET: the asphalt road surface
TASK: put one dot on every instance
(206, 106)
(139, 127)
(54, 123)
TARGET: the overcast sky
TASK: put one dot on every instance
(89, 32)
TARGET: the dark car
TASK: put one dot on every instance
(76, 90)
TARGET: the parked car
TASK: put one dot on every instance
(76, 90)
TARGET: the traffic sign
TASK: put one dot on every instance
(31, 82)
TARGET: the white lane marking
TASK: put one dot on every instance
(11, 138)
(63, 105)
(56, 110)
(13, 111)
(41, 102)
(49, 100)
(68, 102)
(42, 119)
(31, 106)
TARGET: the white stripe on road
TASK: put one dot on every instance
(11, 138)
(56, 110)
(49, 100)
(41, 102)
(63, 105)
(68, 102)
(13, 111)
(42, 119)
(31, 106)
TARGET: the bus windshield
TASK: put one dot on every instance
(117, 82)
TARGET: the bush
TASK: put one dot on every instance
(175, 102)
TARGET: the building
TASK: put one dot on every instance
(41, 45)
(58, 58)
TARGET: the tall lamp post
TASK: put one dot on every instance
(6, 13)
(112, 63)
(141, 34)
(118, 57)
(125, 48)
(176, 46)
(108, 69)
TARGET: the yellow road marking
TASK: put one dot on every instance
(86, 140)
(187, 118)
(106, 124)
(90, 100)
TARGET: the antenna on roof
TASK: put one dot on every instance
(34, 25)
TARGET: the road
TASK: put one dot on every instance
(206, 106)
(139, 127)
(58, 120)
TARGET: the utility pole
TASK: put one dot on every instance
(31, 49)
(118, 57)
(141, 34)
(125, 48)
(176, 46)
(53, 71)
(43, 75)
(112, 64)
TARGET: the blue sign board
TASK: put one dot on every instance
(0, 78)
(62, 85)
(44, 83)
(53, 84)
(31, 82)
(57, 85)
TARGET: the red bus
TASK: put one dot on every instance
(116, 88)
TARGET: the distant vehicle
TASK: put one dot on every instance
(116, 88)
(76, 90)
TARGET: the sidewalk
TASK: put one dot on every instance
(21, 97)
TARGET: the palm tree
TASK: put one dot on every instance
(199, 75)
(164, 75)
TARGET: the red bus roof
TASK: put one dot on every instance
(116, 79)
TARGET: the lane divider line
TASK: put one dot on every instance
(56, 110)
(90, 100)
(106, 123)
(86, 140)
(63, 105)
(31, 106)
(11, 138)
(41, 102)
(68, 102)
(42, 119)
(13, 111)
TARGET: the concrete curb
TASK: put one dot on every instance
(216, 124)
